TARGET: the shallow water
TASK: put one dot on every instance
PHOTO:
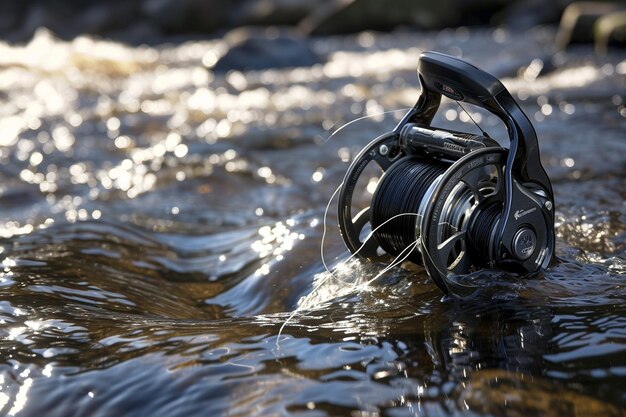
(161, 223)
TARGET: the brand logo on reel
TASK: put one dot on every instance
(453, 146)
(448, 91)
(521, 213)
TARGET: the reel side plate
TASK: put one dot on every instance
(383, 151)
(471, 182)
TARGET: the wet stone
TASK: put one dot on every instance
(257, 49)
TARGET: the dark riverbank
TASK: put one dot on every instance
(152, 21)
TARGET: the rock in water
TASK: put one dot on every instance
(277, 12)
(342, 16)
(11, 13)
(610, 31)
(251, 49)
(579, 19)
(185, 16)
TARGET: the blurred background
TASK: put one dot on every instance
(165, 166)
(154, 21)
(151, 20)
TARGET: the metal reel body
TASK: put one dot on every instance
(489, 207)
(453, 247)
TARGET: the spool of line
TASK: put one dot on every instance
(401, 190)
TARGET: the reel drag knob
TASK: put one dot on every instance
(524, 243)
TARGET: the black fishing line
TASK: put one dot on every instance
(401, 190)
(480, 233)
(485, 134)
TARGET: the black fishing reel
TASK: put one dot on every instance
(458, 202)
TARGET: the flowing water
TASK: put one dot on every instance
(160, 223)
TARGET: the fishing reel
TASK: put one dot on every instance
(454, 202)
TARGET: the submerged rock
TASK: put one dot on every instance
(502, 393)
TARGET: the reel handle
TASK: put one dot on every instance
(441, 74)
(456, 79)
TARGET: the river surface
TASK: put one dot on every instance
(161, 224)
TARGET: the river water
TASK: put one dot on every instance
(161, 228)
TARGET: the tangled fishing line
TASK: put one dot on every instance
(400, 258)
(403, 253)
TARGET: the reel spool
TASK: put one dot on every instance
(471, 203)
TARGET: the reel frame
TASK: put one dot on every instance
(524, 190)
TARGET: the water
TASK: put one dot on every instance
(160, 223)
